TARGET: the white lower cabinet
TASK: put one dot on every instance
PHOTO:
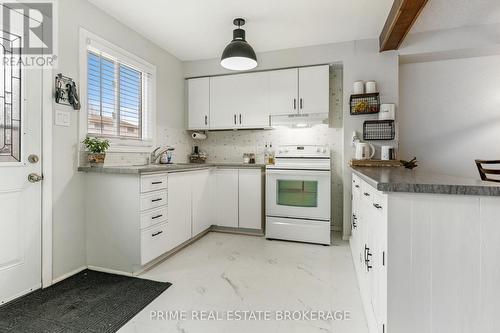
(132, 220)
(202, 200)
(227, 197)
(239, 198)
(179, 209)
(369, 250)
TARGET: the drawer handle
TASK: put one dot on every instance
(156, 217)
(356, 186)
(156, 233)
(366, 194)
(156, 183)
(377, 206)
(155, 200)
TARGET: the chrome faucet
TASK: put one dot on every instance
(155, 154)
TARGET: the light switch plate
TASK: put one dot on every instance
(62, 118)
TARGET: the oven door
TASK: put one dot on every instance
(298, 194)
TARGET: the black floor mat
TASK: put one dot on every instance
(89, 301)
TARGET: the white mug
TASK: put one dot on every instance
(363, 151)
(388, 153)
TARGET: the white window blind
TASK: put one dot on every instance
(117, 98)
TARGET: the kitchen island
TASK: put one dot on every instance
(425, 248)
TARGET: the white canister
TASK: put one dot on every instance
(387, 112)
(388, 153)
(370, 87)
(358, 87)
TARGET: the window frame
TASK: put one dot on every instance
(96, 44)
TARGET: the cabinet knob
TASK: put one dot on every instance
(377, 206)
(366, 194)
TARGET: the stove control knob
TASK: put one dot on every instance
(324, 150)
(318, 150)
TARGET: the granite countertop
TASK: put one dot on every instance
(140, 169)
(416, 181)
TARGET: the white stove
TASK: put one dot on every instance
(298, 194)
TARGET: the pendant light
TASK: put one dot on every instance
(238, 55)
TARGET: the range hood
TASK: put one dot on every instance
(297, 120)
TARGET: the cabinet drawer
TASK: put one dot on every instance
(153, 200)
(153, 183)
(153, 243)
(153, 217)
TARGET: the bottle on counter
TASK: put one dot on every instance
(266, 154)
(272, 154)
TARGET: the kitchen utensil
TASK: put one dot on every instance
(358, 87)
(370, 87)
(363, 151)
(388, 153)
(387, 112)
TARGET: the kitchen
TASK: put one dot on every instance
(279, 175)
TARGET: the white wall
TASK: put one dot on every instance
(450, 113)
(361, 61)
(68, 220)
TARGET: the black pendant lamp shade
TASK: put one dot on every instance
(238, 55)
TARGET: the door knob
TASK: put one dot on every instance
(34, 178)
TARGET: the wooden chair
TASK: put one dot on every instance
(483, 172)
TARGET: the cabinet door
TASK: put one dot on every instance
(314, 89)
(227, 197)
(198, 103)
(239, 101)
(283, 91)
(250, 198)
(200, 184)
(179, 209)
(253, 111)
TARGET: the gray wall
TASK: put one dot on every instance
(68, 214)
(361, 60)
(449, 113)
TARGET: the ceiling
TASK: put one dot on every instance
(447, 14)
(200, 29)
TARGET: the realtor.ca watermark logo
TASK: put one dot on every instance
(28, 34)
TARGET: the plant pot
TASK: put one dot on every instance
(96, 158)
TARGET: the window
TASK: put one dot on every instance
(118, 94)
(115, 98)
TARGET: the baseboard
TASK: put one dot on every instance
(237, 231)
(67, 275)
(110, 271)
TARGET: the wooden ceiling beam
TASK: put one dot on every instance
(399, 22)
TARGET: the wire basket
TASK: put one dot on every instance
(365, 104)
(379, 130)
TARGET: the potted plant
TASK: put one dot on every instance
(96, 149)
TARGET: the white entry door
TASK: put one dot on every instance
(20, 199)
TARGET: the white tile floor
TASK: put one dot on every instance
(224, 272)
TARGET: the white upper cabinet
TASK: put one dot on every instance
(244, 101)
(314, 89)
(198, 103)
(239, 101)
(283, 91)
